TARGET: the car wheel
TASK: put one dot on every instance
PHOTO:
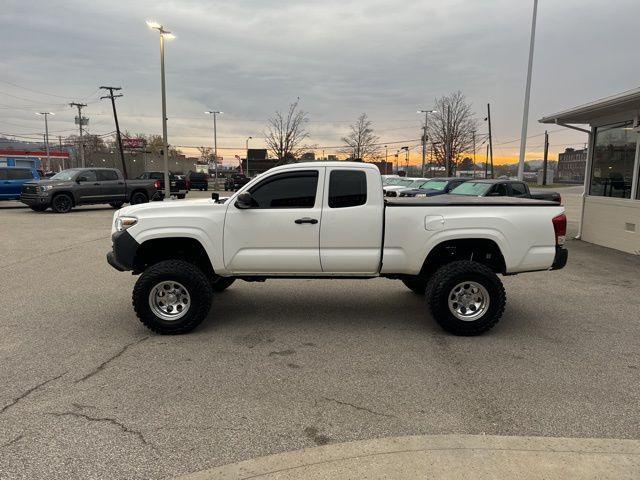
(172, 297)
(416, 284)
(116, 205)
(466, 298)
(139, 197)
(181, 196)
(220, 284)
(62, 203)
(38, 208)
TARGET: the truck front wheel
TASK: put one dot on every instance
(172, 297)
(466, 298)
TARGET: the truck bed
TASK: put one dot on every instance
(463, 200)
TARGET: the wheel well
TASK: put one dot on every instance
(68, 194)
(138, 190)
(479, 250)
(181, 248)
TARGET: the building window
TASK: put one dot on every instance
(614, 153)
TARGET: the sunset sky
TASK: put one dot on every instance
(251, 57)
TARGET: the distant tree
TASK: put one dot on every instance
(361, 143)
(466, 164)
(451, 130)
(286, 133)
(92, 143)
(155, 145)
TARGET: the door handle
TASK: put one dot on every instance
(300, 221)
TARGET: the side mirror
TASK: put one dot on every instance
(81, 179)
(245, 201)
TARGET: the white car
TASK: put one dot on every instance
(329, 220)
(391, 190)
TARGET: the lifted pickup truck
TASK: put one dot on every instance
(84, 186)
(329, 220)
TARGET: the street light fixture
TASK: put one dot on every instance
(215, 141)
(46, 134)
(424, 136)
(247, 145)
(164, 34)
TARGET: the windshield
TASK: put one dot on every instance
(472, 188)
(389, 181)
(65, 175)
(417, 183)
(434, 185)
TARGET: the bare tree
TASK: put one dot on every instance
(361, 143)
(285, 134)
(451, 130)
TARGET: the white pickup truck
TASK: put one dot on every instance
(329, 220)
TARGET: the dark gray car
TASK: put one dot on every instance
(85, 186)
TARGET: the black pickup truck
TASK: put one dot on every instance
(504, 188)
(178, 184)
(235, 182)
(85, 186)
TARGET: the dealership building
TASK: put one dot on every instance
(611, 201)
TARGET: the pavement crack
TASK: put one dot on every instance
(11, 442)
(112, 421)
(104, 364)
(358, 407)
(28, 392)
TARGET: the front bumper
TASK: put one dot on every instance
(560, 260)
(33, 199)
(123, 254)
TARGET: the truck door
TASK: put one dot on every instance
(352, 218)
(112, 186)
(88, 189)
(281, 234)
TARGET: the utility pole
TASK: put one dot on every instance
(447, 143)
(546, 155)
(115, 117)
(424, 136)
(473, 133)
(215, 140)
(80, 121)
(60, 147)
(490, 137)
(486, 164)
(527, 93)
(46, 133)
(247, 147)
(397, 166)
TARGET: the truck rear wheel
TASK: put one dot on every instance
(139, 197)
(172, 297)
(466, 298)
(416, 284)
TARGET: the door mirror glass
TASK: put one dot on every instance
(245, 200)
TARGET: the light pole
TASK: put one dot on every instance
(165, 145)
(215, 141)
(46, 134)
(247, 148)
(406, 168)
(386, 156)
(424, 136)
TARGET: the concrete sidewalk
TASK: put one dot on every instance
(445, 457)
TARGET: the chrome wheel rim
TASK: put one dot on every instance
(468, 301)
(169, 300)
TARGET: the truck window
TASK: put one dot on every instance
(347, 188)
(19, 174)
(499, 190)
(287, 190)
(518, 190)
(87, 176)
(107, 175)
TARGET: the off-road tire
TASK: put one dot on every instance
(443, 282)
(417, 284)
(116, 205)
(62, 203)
(38, 208)
(220, 284)
(139, 197)
(193, 280)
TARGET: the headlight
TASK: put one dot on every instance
(122, 223)
(44, 188)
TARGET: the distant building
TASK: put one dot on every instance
(332, 158)
(35, 159)
(308, 157)
(572, 165)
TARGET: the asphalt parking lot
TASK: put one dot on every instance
(86, 391)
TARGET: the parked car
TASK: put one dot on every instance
(401, 184)
(504, 188)
(178, 185)
(83, 186)
(235, 182)
(433, 187)
(12, 179)
(329, 220)
(198, 180)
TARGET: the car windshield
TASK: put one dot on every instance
(65, 175)
(388, 181)
(434, 185)
(417, 183)
(472, 188)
